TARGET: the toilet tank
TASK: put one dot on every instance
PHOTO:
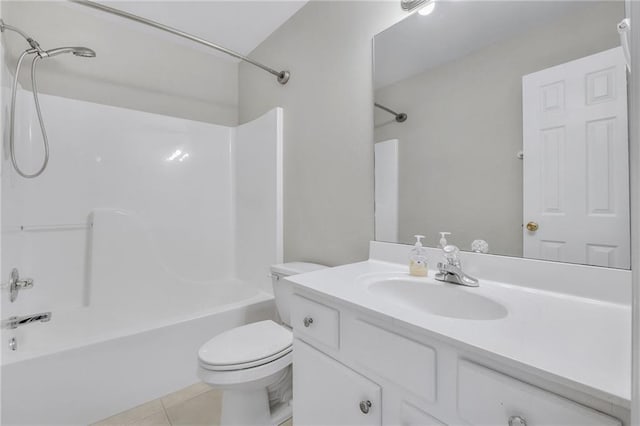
(283, 289)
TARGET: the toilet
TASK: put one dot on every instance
(252, 363)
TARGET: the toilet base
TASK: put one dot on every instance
(251, 407)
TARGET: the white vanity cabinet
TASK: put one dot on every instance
(352, 367)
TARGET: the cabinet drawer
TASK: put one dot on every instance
(389, 355)
(486, 397)
(315, 322)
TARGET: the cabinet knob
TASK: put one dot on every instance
(307, 321)
(517, 421)
(365, 406)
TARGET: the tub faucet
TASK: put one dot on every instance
(15, 322)
(451, 271)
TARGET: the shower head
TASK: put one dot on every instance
(84, 52)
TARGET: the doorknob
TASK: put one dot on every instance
(532, 226)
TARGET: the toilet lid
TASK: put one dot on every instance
(245, 346)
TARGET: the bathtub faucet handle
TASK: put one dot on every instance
(16, 284)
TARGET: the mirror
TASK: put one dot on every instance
(515, 131)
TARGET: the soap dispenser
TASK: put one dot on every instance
(418, 259)
(443, 239)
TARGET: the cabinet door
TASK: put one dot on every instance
(326, 392)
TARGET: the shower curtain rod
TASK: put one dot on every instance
(282, 76)
(400, 116)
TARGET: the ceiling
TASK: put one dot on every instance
(235, 24)
(455, 29)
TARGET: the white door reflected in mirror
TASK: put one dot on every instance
(576, 171)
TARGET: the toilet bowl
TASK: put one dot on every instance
(252, 363)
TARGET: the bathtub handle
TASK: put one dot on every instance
(16, 284)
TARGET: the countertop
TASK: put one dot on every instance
(585, 343)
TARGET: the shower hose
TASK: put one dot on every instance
(34, 87)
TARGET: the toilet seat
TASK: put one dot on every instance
(254, 377)
(245, 365)
(245, 347)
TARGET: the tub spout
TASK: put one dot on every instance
(15, 322)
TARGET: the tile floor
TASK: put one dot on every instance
(195, 405)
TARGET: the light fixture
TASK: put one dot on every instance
(424, 7)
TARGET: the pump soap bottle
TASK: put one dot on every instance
(418, 259)
(443, 239)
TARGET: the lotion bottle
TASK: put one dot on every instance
(418, 259)
(443, 239)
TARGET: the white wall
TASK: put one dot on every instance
(133, 69)
(328, 127)
(465, 128)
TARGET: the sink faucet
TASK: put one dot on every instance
(15, 322)
(451, 271)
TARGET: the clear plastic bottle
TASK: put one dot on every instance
(418, 259)
(443, 239)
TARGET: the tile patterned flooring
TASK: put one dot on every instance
(195, 405)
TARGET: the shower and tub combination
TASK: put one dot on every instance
(142, 236)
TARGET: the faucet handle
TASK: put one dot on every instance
(451, 254)
(16, 284)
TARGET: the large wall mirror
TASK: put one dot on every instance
(515, 134)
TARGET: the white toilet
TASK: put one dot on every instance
(252, 363)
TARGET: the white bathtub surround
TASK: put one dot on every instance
(569, 333)
(135, 234)
(387, 187)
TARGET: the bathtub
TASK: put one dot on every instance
(144, 239)
(88, 364)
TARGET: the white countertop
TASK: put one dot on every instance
(586, 343)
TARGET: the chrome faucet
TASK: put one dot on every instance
(451, 271)
(15, 322)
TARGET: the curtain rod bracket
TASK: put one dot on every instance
(401, 117)
(283, 77)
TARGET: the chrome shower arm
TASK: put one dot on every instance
(400, 116)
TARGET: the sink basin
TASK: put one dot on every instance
(434, 297)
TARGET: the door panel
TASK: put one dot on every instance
(576, 171)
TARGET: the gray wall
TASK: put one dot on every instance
(134, 68)
(328, 124)
(458, 165)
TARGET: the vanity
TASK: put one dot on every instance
(373, 345)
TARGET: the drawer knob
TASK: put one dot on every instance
(307, 321)
(517, 421)
(365, 406)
